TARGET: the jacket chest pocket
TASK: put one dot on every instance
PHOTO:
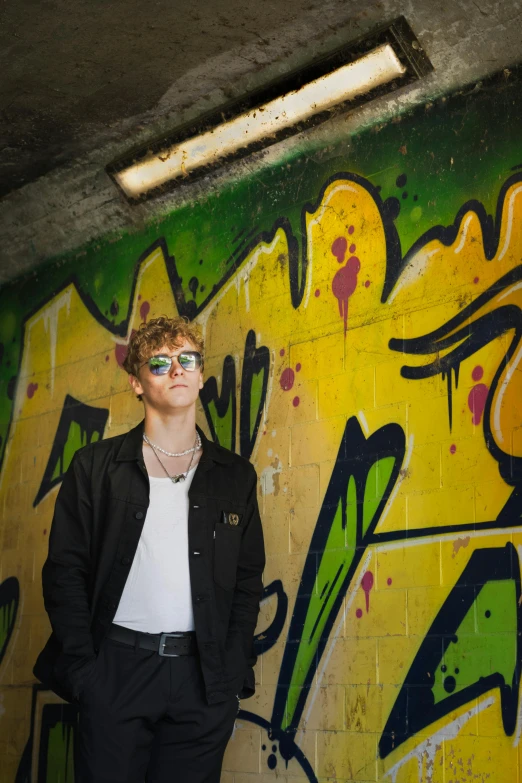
(227, 542)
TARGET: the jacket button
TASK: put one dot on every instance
(196, 554)
(138, 515)
(199, 598)
(125, 560)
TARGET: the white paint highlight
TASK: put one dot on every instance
(464, 234)
(50, 318)
(427, 750)
(509, 291)
(416, 268)
(362, 420)
(500, 394)
(511, 210)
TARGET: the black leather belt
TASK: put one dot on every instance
(168, 645)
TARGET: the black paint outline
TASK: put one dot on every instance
(356, 455)
(89, 418)
(414, 709)
(255, 360)
(209, 393)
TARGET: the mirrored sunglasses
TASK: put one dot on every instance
(161, 364)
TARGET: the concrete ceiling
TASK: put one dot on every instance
(82, 82)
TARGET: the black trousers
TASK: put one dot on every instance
(145, 718)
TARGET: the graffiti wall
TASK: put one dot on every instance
(362, 310)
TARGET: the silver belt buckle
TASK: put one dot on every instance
(163, 643)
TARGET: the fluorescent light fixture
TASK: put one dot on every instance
(300, 100)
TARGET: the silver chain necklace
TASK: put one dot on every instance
(194, 448)
(179, 476)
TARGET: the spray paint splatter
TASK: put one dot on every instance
(359, 613)
(31, 389)
(282, 352)
(477, 401)
(343, 286)
(298, 366)
(339, 246)
(367, 584)
(144, 311)
(389, 581)
(453, 448)
(287, 379)
(477, 373)
(296, 401)
(317, 292)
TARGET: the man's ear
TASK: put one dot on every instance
(135, 385)
(201, 381)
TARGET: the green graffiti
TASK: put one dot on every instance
(335, 563)
(76, 438)
(485, 642)
(378, 478)
(223, 425)
(60, 759)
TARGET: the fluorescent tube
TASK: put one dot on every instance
(374, 69)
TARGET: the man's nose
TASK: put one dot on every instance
(176, 368)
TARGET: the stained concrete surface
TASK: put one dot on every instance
(82, 82)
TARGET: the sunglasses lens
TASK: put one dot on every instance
(190, 360)
(160, 365)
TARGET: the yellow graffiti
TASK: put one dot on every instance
(322, 372)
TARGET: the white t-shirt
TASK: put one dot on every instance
(157, 596)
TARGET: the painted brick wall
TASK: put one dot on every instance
(361, 304)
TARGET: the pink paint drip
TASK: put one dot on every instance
(477, 401)
(31, 389)
(287, 379)
(296, 401)
(359, 613)
(367, 584)
(144, 311)
(343, 286)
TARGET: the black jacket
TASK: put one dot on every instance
(98, 519)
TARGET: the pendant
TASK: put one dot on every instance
(178, 478)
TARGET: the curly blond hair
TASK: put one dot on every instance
(154, 335)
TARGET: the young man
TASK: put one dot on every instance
(153, 581)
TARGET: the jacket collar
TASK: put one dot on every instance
(131, 448)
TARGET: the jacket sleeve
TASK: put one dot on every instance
(65, 578)
(249, 584)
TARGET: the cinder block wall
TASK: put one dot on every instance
(361, 303)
